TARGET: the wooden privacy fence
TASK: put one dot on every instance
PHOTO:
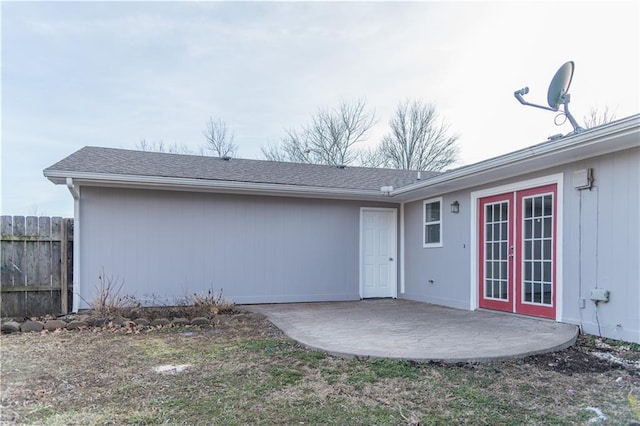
(37, 265)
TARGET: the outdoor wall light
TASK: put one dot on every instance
(455, 207)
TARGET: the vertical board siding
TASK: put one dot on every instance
(32, 263)
(601, 248)
(606, 219)
(438, 275)
(167, 245)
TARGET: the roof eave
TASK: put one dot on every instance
(59, 177)
(615, 137)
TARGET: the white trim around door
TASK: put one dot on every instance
(378, 252)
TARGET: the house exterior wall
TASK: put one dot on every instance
(599, 246)
(166, 245)
(438, 275)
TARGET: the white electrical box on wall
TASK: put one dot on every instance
(583, 179)
(599, 295)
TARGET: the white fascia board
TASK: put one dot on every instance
(594, 142)
(203, 185)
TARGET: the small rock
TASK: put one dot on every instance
(171, 369)
(200, 321)
(95, 322)
(119, 320)
(599, 415)
(31, 326)
(10, 327)
(68, 317)
(76, 325)
(142, 322)
(180, 321)
(603, 345)
(54, 325)
(160, 322)
(134, 314)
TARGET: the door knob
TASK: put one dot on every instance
(391, 258)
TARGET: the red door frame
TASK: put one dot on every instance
(521, 306)
(515, 302)
(507, 305)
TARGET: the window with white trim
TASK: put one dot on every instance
(432, 231)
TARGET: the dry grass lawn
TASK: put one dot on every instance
(243, 370)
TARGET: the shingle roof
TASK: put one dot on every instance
(109, 161)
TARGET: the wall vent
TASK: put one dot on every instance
(583, 179)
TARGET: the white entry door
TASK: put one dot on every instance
(378, 270)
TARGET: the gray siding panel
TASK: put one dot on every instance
(606, 219)
(166, 245)
(446, 266)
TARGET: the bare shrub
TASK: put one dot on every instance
(212, 303)
(108, 299)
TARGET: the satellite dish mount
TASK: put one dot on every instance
(558, 94)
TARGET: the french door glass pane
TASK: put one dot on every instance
(528, 271)
(546, 249)
(496, 289)
(528, 291)
(547, 227)
(537, 249)
(528, 205)
(527, 250)
(537, 228)
(548, 205)
(547, 294)
(537, 260)
(496, 254)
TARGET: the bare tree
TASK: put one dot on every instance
(274, 152)
(219, 141)
(293, 148)
(329, 138)
(418, 139)
(159, 146)
(596, 118)
(371, 157)
(36, 211)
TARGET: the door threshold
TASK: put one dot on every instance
(515, 314)
(377, 298)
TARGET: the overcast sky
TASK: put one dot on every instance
(110, 74)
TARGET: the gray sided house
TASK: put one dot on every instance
(549, 231)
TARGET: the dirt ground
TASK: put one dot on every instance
(244, 370)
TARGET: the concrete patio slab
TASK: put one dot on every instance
(403, 329)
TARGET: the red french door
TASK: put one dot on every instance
(517, 252)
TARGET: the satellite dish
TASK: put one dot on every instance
(559, 85)
(556, 95)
